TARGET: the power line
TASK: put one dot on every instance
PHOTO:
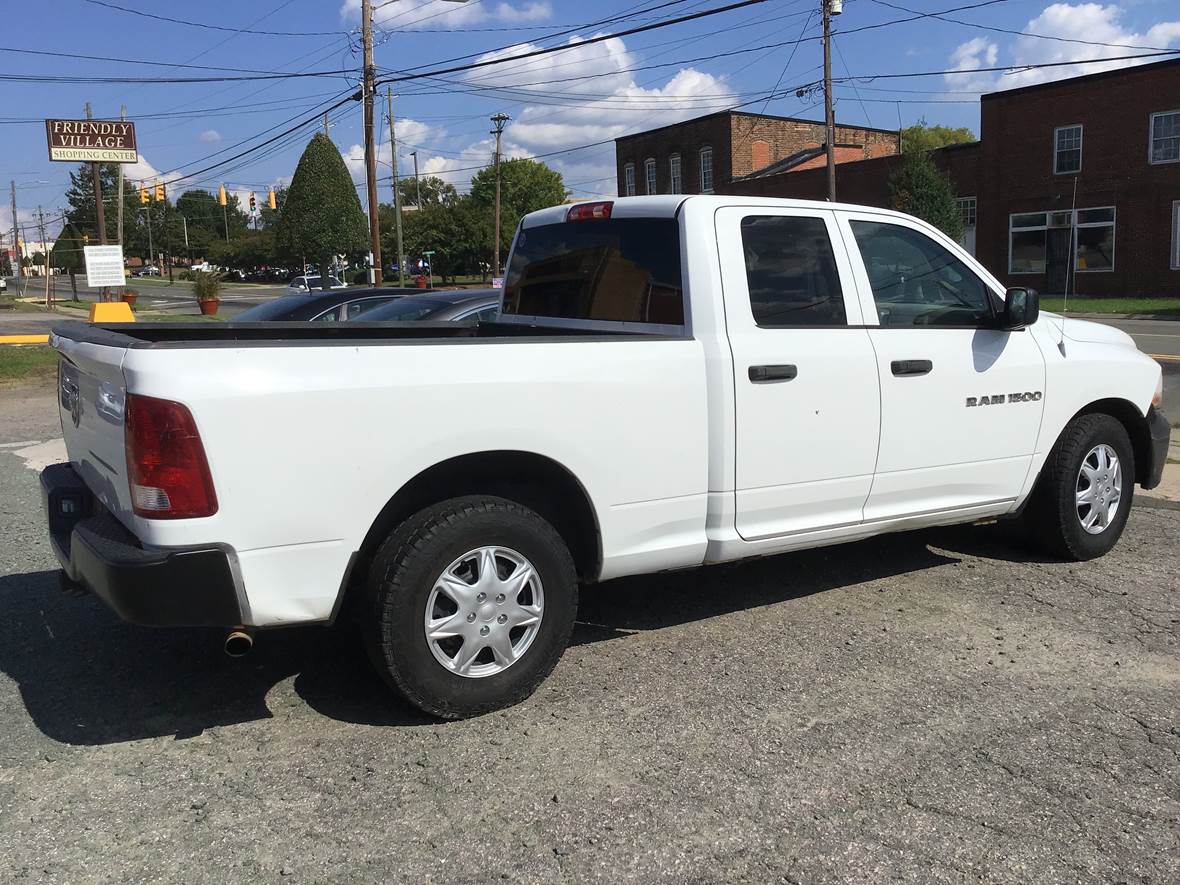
(942, 17)
(590, 40)
(133, 61)
(193, 24)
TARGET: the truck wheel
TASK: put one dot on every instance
(1083, 497)
(471, 603)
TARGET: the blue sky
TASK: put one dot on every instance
(185, 127)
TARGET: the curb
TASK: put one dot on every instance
(24, 339)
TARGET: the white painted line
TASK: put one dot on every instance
(20, 445)
(41, 455)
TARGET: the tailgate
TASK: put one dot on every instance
(90, 401)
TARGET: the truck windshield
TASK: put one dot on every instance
(619, 269)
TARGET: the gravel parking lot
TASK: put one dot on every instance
(924, 707)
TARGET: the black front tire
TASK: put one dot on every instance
(403, 574)
(1052, 518)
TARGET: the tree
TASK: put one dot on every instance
(919, 188)
(268, 218)
(322, 216)
(922, 137)
(525, 186)
(80, 200)
(459, 233)
(432, 188)
(67, 254)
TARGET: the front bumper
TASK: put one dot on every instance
(158, 588)
(1160, 432)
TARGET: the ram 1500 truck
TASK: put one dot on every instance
(673, 381)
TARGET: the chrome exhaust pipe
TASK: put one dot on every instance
(238, 644)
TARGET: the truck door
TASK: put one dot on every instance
(805, 378)
(961, 399)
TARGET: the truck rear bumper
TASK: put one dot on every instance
(1161, 433)
(159, 588)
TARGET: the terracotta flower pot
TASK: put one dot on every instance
(130, 297)
(209, 307)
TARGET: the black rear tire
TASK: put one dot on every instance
(1052, 517)
(407, 567)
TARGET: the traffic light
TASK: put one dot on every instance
(270, 199)
(253, 204)
(221, 195)
(144, 195)
(159, 193)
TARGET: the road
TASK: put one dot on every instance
(925, 707)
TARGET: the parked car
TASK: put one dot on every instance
(673, 381)
(3, 285)
(319, 306)
(310, 284)
(148, 271)
(460, 304)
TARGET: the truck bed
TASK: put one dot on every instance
(189, 335)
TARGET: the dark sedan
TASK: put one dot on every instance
(459, 304)
(323, 307)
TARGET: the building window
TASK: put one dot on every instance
(1067, 150)
(706, 170)
(629, 180)
(1165, 137)
(1176, 235)
(649, 174)
(966, 210)
(674, 174)
(1093, 239)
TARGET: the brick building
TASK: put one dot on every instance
(703, 155)
(1114, 136)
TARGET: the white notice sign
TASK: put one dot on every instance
(104, 266)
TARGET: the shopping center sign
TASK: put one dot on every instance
(91, 141)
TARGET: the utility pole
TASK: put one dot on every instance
(326, 124)
(187, 251)
(45, 252)
(830, 8)
(397, 197)
(417, 183)
(97, 175)
(16, 261)
(119, 223)
(498, 120)
(370, 76)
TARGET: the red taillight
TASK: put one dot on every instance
(166, 463)
(588, 211)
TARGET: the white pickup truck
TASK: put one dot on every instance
(674, 381)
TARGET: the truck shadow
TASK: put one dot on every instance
(86, 678)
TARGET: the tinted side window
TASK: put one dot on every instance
(621, 269)
(330, 316)
(791, 272)
(917, 282)
(356, 308)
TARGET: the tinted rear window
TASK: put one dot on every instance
(404, 309)
(620, 269)
(273, 310)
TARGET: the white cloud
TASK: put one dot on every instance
(434, 14)
(410, 134)
(608, 103)
(210, 136)
(1091, 22)
(144, 172)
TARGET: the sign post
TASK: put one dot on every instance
(94, 142)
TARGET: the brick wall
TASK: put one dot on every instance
(686, 139)
(741, 143)
(1114, 111)
(786, 136)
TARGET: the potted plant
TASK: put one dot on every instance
(207, 288)
(130, 296)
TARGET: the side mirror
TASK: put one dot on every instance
(1021, 308)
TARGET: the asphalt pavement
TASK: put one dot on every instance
(926, 707)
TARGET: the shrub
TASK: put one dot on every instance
(206, 286)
